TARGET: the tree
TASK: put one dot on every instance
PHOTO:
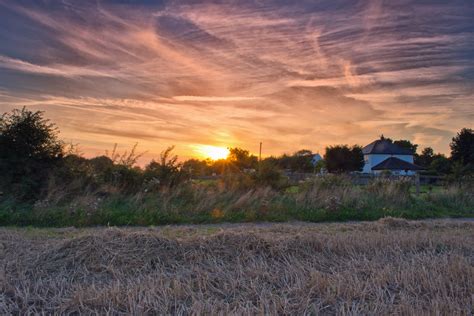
(342, 158)
(404, 143)
(242, 159)
(426, 157)
(462, 147)
(284, 161)
(197, 168)
(440, 164)
(357, 158)
(407, 144)
(303, 153)
(101, 166)
(29, 149)
(302, 161)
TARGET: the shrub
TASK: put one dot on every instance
(72, 177)
(165, 172)
(101, 169)
(29, 149)
(269, 175)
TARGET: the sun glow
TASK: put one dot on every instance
(212, 152)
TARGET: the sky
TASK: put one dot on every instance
(290, 74)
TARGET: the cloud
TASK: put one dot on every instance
(291, 74)
(55, 70)
(211, 98)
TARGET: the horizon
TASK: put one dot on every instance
(207, 76)
(214, 153)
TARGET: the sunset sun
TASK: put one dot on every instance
(212, 152)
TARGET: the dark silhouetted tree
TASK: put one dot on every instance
(402, 143)
(197, 168)
(29, 149)
(300, 161)
(342, 158)
(440, 164)
(407, 144)
(425, 158)
(462, 147)
(242, 159)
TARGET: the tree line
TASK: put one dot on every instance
(34, 162)
(344, 159)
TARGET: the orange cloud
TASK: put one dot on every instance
(298, 75)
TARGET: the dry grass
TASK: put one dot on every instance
(387, 267)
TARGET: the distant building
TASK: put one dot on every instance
(382, 155)
(316, 158)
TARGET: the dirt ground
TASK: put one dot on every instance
(391, 266)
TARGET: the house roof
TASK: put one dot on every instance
(383, 146)
(316, 158)
(393, 163)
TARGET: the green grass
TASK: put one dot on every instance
(318, 201)
(424, 189)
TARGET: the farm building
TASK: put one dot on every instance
(383, 155)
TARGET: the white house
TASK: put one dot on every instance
(382, 155)
(316, 158)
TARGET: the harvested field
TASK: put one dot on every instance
(385, 267)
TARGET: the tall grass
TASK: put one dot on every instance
(327, 198)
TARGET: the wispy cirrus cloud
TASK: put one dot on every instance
(290, 74)
(211, 98)
(54, 70)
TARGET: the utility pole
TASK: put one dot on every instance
(260, 157)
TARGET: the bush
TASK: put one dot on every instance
(165, 172)
(29, 150)
(268, 175)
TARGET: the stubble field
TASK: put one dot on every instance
(384, 267)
